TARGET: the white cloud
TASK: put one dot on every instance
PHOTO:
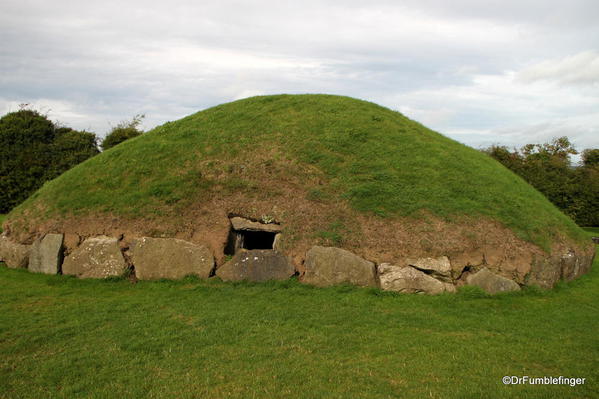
(578, 69)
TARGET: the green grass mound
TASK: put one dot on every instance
(336, 149)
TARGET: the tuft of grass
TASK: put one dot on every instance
(317, 195)
(2, 217)
(63, 337)
(333, 235)
(376, 159)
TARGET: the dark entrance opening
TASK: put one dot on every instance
(249, 239)
(257, 239)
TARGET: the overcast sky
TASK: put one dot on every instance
(481, 72)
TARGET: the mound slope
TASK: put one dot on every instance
(329, 170)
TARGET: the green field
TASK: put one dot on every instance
(63, 337)
(592, 231)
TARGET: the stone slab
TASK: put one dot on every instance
(257, 265)
(15, 255)
(439, 267)
(491, 283)
(170, 258)
(46, 254)
(240, 223)
(96, 257)
(410, 280)
(330, 266)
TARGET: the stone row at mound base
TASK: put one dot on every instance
(170, 258)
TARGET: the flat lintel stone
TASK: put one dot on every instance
(240, 223)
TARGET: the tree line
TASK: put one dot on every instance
(34, 149)
(548, 167)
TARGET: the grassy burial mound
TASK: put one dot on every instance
(290, 172)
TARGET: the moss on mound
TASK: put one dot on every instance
(331, 149)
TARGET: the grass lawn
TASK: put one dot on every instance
(63, 337)
(592, 231)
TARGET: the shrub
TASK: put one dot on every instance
(122, 132)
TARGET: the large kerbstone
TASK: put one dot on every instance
(170, 258)
(410, 280)
(329, 266)
(574, 264)
(257, 265)
(97, 257)
(439, 267)
(545, 271)
(490, 282)
(15, 255)
(46, 254)
(565, 264)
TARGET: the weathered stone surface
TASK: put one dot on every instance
(575, 264)
(490, 282)
(170, 258)
(15, 255)
(240, 223)
(46, 254)
(257, 265)
(586, 261)
(410, 280)
(329, 266)
(97, 257)
(565, 264)
(545, 272)
(440, 267)
(277, 244)
(570, 265)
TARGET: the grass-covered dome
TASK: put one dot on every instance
(330, 169)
